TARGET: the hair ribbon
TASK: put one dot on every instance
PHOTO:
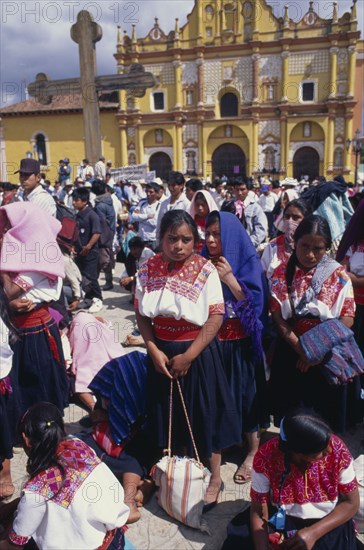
(281, 431)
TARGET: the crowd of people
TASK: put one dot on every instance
(248, 291)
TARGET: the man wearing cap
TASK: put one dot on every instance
(29, 177)
(146, 214)
(64, 171)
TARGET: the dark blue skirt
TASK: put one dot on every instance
(36, 374)
(210, 404)
(6, 438)
(339, 405)
(247, 383)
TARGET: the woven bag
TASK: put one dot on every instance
(182, 481)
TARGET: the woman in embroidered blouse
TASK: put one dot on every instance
(231, 251)
(351, 255)
(296, 308)
(72, 500)
(180, 308)
(278, 250)
(31, 271)
(308, 474)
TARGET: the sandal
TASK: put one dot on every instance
(243, 474)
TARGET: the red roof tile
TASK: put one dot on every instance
(107, 101)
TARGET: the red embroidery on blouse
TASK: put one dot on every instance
(78, 460)
(17, 539)
(187, 280)
(322, 478)
(217, 309)
(24, 285)
(328, 294)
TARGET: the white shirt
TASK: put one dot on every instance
(147, 225)
(267, 202)
(37, 287)
(43, 199)
(97, 506)
(100, 169)
(6, 353)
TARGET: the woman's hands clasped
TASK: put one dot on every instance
(172, 368)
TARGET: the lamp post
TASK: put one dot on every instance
(358, 149)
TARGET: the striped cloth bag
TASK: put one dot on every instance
(182, 481)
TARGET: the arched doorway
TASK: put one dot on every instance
(228, 160)
(161, 163)
(306, 162)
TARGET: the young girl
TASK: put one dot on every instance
(279, 249)
(180, 309)
(307, 474)
(233, 254)
(32, 269)
(201, 205)
(72, 500)
(311, 288)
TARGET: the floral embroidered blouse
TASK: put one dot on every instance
(311, 495)
(77, 514)
(335, 299)
(38, 287)
(191, 291)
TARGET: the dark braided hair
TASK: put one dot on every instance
(43, 425)
(310, 225)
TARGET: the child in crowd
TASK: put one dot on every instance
(89, 231)
(72, 499)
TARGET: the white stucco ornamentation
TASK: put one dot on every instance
(164, 72)
(190, 132)
(269, 127)
(317, 145)
(270, 66)
(189, 73)
(319, 62)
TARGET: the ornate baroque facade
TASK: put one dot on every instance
(239, 90)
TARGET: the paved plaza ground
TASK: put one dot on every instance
(155, 530)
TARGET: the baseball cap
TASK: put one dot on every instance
(264, 188)
(29, 166)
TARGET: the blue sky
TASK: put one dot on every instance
(35, 35)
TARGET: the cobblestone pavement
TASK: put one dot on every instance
(155, 530)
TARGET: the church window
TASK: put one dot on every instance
(158, 101)
(307, 91)
(338, 157)
(229, 105)
(189, 97)
(40, 145)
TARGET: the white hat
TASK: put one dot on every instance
(88, 184)
(158, 181)
(289, 182)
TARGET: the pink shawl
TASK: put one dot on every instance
(210, 203)
(93, 344)
(30, 243)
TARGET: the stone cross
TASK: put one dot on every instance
(86, 33)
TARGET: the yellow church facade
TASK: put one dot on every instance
(238, 91)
